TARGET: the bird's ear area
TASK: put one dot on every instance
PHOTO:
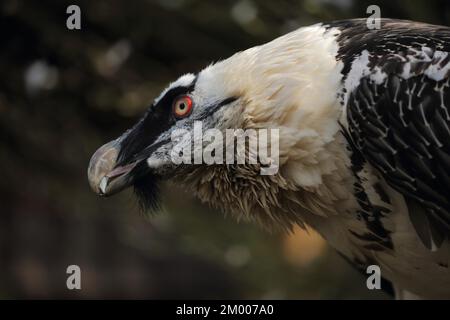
(210, 109)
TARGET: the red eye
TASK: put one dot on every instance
(182, 106)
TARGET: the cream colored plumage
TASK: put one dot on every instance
(295, 93)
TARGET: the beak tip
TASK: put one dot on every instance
(101, 163)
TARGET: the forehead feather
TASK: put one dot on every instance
(183, 81)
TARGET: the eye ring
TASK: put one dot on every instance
(182, 106)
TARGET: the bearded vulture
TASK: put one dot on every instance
(364, 143)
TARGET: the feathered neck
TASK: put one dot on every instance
(291, 84)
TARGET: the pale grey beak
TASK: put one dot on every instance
(104, 177)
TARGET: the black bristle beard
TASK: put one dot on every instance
(147, 193)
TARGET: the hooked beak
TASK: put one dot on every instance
(105, 177)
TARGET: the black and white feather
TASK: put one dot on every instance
(364, 126)
(396, 96)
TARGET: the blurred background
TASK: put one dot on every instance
(64, 93)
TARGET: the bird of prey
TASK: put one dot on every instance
(364, 143)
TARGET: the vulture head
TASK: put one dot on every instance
(284, 85)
